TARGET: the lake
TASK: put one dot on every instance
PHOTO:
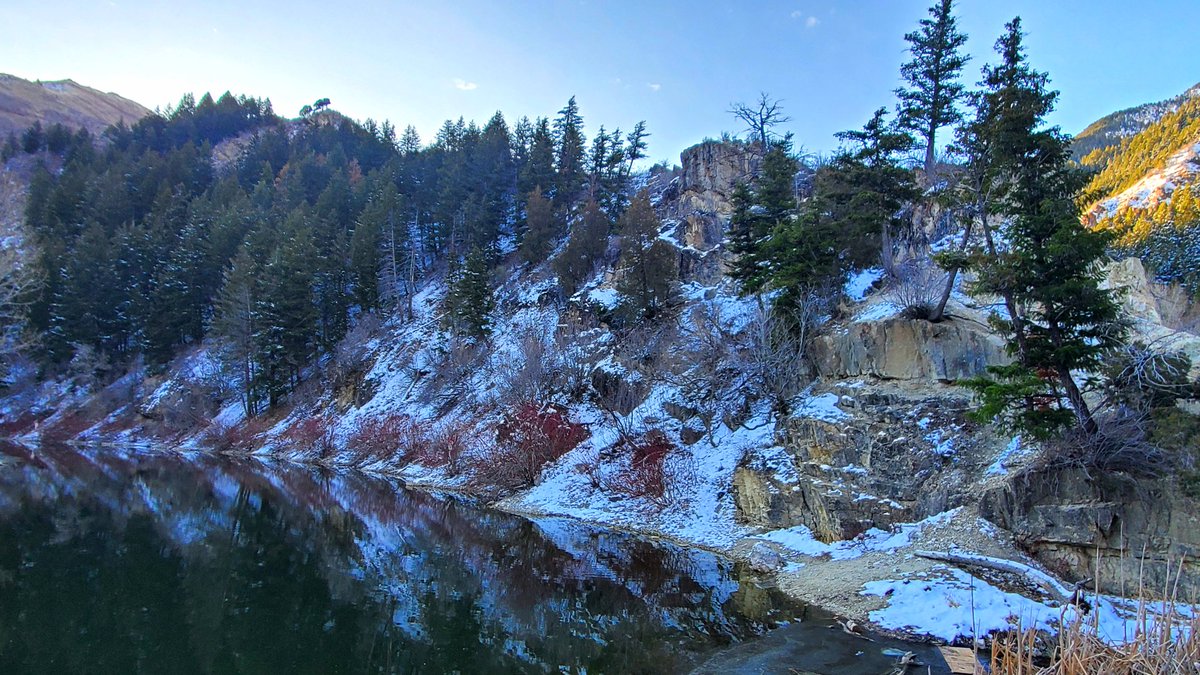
(121, 561)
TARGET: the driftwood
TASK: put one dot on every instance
(1057, 590)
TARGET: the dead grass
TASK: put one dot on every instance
(1165, 642)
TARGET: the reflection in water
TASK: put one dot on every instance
(114, 562)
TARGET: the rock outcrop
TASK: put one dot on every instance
(902, 349)
(1116, 528)
(1157, 312)
(697, 202)
(888, 459)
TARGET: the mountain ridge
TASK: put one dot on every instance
(66, 102)
(1108, 131)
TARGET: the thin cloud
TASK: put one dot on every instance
(811, 22)
(654, 86)
(462, 85)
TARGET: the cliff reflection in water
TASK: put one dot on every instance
(117, 562)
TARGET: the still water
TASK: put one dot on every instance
(114, 561)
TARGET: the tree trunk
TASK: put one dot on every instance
(1082, 412)
(1018, 326)
(939, 311)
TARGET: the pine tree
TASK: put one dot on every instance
(541, 228)
(864, 189)
(587, 243)
(235, 322)
(410, 141)
(747, 228)
(288, 325)
(757, 213)
(1060, 321)
(470, 301)
(569, 165)
(648, 265)
(494, 176)
(87, 306)
(538, 171)
(930, 101)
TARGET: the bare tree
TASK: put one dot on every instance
(761, 117)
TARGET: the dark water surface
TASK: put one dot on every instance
(113, 561)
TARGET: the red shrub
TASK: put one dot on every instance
(442, 449)
(380, 438)
(23, 424)
(242, 437)
(646, 476)
(311, 433)
(526, 441)
(67, 426)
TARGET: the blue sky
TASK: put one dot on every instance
(677, 65)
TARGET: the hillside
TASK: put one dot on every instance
(1147, 193)
(1106, 133)
(64, 102)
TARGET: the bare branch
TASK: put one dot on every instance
(761, 117)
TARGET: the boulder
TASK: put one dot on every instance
(764, 559)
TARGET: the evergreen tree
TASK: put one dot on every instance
(587, 243)
(288, 326)
(930, 101)
(569, 162)
(538, 171)
(87, 306)
(469, 300)
(235, 322)
(410, 141)
(494, 176)
(864, 189)
(759, 212)
(541, 228)
(1060, 321)
(649, 266)
(33, 138)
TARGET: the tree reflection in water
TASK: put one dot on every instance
(114, 561)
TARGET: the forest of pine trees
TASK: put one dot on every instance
(144, 247)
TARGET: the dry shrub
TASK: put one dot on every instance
(777, 342)
(384, 438)
(529, 438)
(590, 466)
(1120, 445)
(916, 287)
(311, 434)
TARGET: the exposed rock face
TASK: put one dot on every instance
(887, 462)
(1158, 312)
(902, 349)
(697, 202)
(1110, 526)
